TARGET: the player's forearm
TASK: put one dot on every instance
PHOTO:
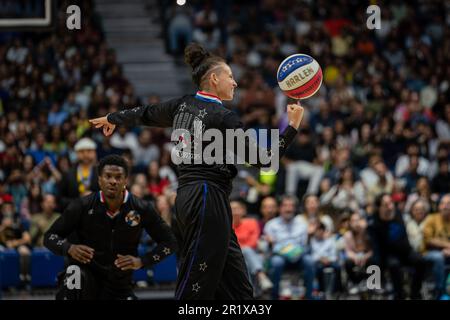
(56, 244)
(133, 116)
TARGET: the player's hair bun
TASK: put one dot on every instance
(195, 54)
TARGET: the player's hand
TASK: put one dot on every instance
(295, 114)
(108, 128)
(81, 253)
(128, 262)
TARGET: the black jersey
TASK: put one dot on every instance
(189, 113)
(111, 234)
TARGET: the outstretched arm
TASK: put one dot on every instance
(155, 115)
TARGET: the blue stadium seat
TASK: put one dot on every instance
(166, 270)
(45, 266)
(9, 268)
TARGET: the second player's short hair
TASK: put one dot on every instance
(112, 160)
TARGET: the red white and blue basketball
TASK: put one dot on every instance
(299, 76)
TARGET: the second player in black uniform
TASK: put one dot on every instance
(212, 265)
(108, 225)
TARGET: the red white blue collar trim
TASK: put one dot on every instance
(207, 97)
(109, 213)
(125, 198)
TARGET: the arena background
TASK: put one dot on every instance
(379, 124)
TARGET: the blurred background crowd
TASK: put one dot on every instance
(366, 181)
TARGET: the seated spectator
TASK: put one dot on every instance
(436, 235)
(411, 176)
(347, 193)
(384, 181)
(422, 191)
(156, 184)
(414, 223)
(441, 182)
(300, 160)
(247, 232)
(13, 235)
(324, 254)
(145, 151)
(443, 125)
(37, 150)
(268, 211)
(287, 235)
(164, 209)
(403, 162)
(391, 247)
(31, 204)
(313, 214)
(125, 139)
(358, 251)
(16, 187)
(41, 222)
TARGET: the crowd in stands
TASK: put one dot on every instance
(366, 181)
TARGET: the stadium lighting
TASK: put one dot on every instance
(181, 2)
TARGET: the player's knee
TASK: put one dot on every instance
(277, 262)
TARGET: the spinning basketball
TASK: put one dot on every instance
(299, 76)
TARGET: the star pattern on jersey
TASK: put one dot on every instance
(281, 143)
(156, 257)
(202, 113)
(60, 242)
(182, 106)
(166, 251)
(196, 287)
(203, 266)
(53, 237)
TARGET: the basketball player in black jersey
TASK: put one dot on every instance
(211, 262)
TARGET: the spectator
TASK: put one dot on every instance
(81, 179)
(324, 254)
(32, 203)
(41, 222)
(347, 193)
(422, 191)
(392, 249)
(156, 184)
(313, 214)
(436, 234)
(411, 176)
(358, 251)
(443, 125)
(13, 235)
(441, 182)
(38, 152)
(146, 151)
(268, 211)
(124, 139)
(414, 224)
(287, 234)
(164, 209)
(300, 160)
(247, 232)
(384, 181)
(403, 162)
